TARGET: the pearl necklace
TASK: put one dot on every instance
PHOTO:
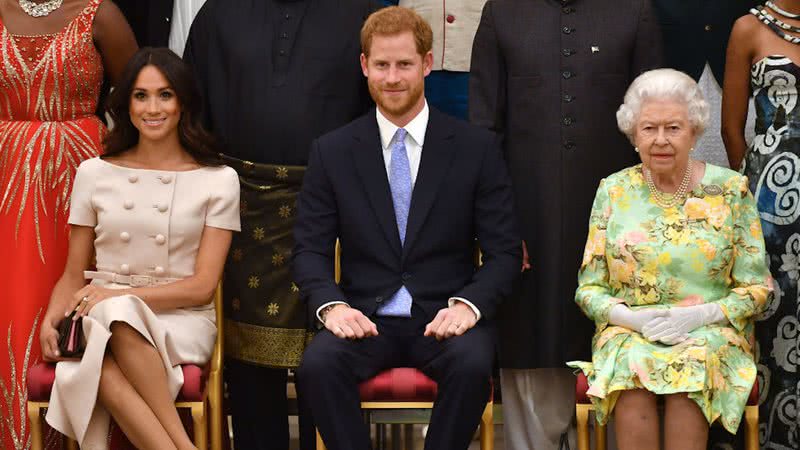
(40, 9)
(664, 200)
(782, 12)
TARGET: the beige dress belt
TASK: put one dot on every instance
(130, 280)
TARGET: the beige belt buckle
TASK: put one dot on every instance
(141, 280)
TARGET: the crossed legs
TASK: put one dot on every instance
(637, 424)
(134, 389)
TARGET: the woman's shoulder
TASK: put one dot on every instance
(728, 180)
(628, 176)
(91, 165)
(219, 177)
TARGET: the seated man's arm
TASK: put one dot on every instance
(498, 236)
(315, 233)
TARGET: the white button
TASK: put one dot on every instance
(128, 204)
(160, 239)
(162, 207)
(166, 179)
(124, 269)
(159, 270)
(125, 236)
(133, 178)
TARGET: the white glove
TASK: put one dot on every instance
(676, 326)
(634, 320)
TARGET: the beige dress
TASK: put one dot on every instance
(148, 225)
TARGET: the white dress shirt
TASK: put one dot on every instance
(414, 142)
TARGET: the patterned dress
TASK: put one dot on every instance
(773, 166)
(708, 250)
(49, 86)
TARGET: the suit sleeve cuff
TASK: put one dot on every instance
(453, 300)
(335, 302)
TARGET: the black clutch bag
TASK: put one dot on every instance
(70, 337)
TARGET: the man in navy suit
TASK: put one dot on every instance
(407, 190)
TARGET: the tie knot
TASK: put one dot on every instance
(400, 136)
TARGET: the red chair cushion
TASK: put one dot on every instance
(582, 385)
(401, 384)
(41, 377)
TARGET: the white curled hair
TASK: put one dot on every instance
(662, 84)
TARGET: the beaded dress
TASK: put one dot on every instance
(49, 88)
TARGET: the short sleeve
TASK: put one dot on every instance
(223, 203)
(81, 210)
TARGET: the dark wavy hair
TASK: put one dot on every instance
(192, 135)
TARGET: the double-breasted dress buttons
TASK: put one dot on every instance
(160, 239)
(567, 73)
(133, 178)
(125, 236)
(124, 269)
(159, 270)
(162, 207)
(128, 204)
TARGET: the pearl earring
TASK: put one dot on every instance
(636, 149)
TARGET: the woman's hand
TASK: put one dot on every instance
(84, 300)
(48, 337)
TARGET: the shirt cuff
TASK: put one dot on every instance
(319, 310)
(451, 301)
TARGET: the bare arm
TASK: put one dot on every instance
(114, 39)
(81, 249)
(736, 89)
(195, 290)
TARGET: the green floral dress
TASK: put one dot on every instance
(710, 249)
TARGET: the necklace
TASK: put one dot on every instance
(665, 200)
(774, 27)
(782, 12)
(40, 9)
(765, 14)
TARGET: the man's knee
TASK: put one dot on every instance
(321, 357)
(471, 359)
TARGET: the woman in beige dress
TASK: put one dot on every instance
(157, 213)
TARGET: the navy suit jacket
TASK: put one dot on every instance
(462, 193)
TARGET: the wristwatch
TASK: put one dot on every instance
(323, 314)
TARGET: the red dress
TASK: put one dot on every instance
(49, 88)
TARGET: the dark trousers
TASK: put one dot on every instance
(260, 409)
(332, 368)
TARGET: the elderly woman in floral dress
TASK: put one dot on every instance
(672, 274)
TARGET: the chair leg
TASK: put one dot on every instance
(582, 419)
(200, 425)
(215, 411)
(320, 444)
(487, 427)
(600, 440)
(751, 430)
(35, 418)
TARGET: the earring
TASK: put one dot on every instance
(636, 149)
(691, 150)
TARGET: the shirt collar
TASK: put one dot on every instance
(415, 129)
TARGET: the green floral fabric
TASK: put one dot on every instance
(710, 249)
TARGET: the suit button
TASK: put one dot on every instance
(567, 10)
(566, 74)
(378, 299)
(567, 30)
(406, 276)
(568, 121)
(569, 145)
(567, 98)
(567, 52)
(450, 18)
(707, 27)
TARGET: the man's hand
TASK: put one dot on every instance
(349, 323)
(452, 321)
(526, 262)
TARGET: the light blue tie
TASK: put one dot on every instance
(400, 184)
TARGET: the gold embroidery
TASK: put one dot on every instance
(266, 346)
(258, 233)
(13, 390)
(295, 288)
(277, 260)
(273, 308)
(237, 255)
(243, 206)
(253, 282)
(282, 173)
(285, 211)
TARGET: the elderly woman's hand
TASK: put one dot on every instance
(676, 326)
(635, 320)
(84, 300)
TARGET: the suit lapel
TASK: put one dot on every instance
(437, 151)
(368, 160)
